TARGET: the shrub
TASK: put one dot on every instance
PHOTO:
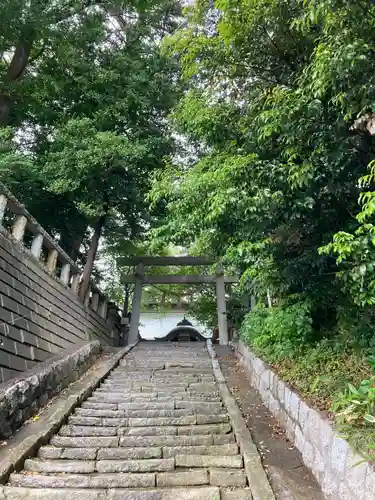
(279, 332)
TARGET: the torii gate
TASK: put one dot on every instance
(140, 279)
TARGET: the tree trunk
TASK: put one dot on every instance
(71, 243)
(86, 275)
(15, 71)
(75, 246)
(4, 109)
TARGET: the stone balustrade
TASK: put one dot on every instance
(56, 262)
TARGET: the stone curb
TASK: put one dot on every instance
(30, 437)
(257, 477)
(341, 473)
(23, 396)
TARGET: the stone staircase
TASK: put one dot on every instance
(156, 429)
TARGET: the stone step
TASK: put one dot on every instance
(149, 431)
(152, 441)
(88, 412)
(161, 421)
(236, 494)
(227, 477)
(183, 478)
(85, 430)
(200, 493)
(101, 466)
(150, 397)
(98, 421)
(130, 453)
(145, 387)
(148, 405)
(174, 440)
(126, 480)
(205, 429)
(65, 466)
(200, 406)
(159, 364)
(84, 442)
(230, 461)
(151, 465)
(99, 406)
(53, 453)
(224, 449)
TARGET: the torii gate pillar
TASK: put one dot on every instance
(136, 306)
(221, 306)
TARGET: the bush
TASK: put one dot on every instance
(279, 332)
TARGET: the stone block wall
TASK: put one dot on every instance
(41, 313)
(23, 396)
(327, 455)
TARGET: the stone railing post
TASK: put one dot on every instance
(75, 283)
(87, 297)
(3, 206)
(102, 309)
(65, 273)
(19, 226)
(36, 246)
(52, 260)
(95, 301)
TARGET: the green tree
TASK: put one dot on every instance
(274, 92)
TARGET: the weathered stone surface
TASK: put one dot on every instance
(145, 480)
(161, 421)
(236, 494)
(303, 415)
(227, 477)
(215, 407)
(159, 413)
(129, 453)
(99, 406)
(142, 441)
(21, 397)
(98, 421)
(91, 412)
(205, 429)
(213, 419)
(370, 484)
(149, 405)
(208, 493)
(183, 478)
(12, 493)
(225, 449)
(149, 431)
(84, 442)
(52, 453)
(66, 466)
(82, 431)
(151, 465)
(223, 438)
(356, 474)
(232, 461)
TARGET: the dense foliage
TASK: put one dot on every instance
(278, 113)
(84, 115)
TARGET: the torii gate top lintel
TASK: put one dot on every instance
(140, 279)
(169, 261)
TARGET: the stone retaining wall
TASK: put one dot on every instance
(41, 312)
(328, 456)
(23, 396)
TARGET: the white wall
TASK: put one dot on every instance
(154, 324)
